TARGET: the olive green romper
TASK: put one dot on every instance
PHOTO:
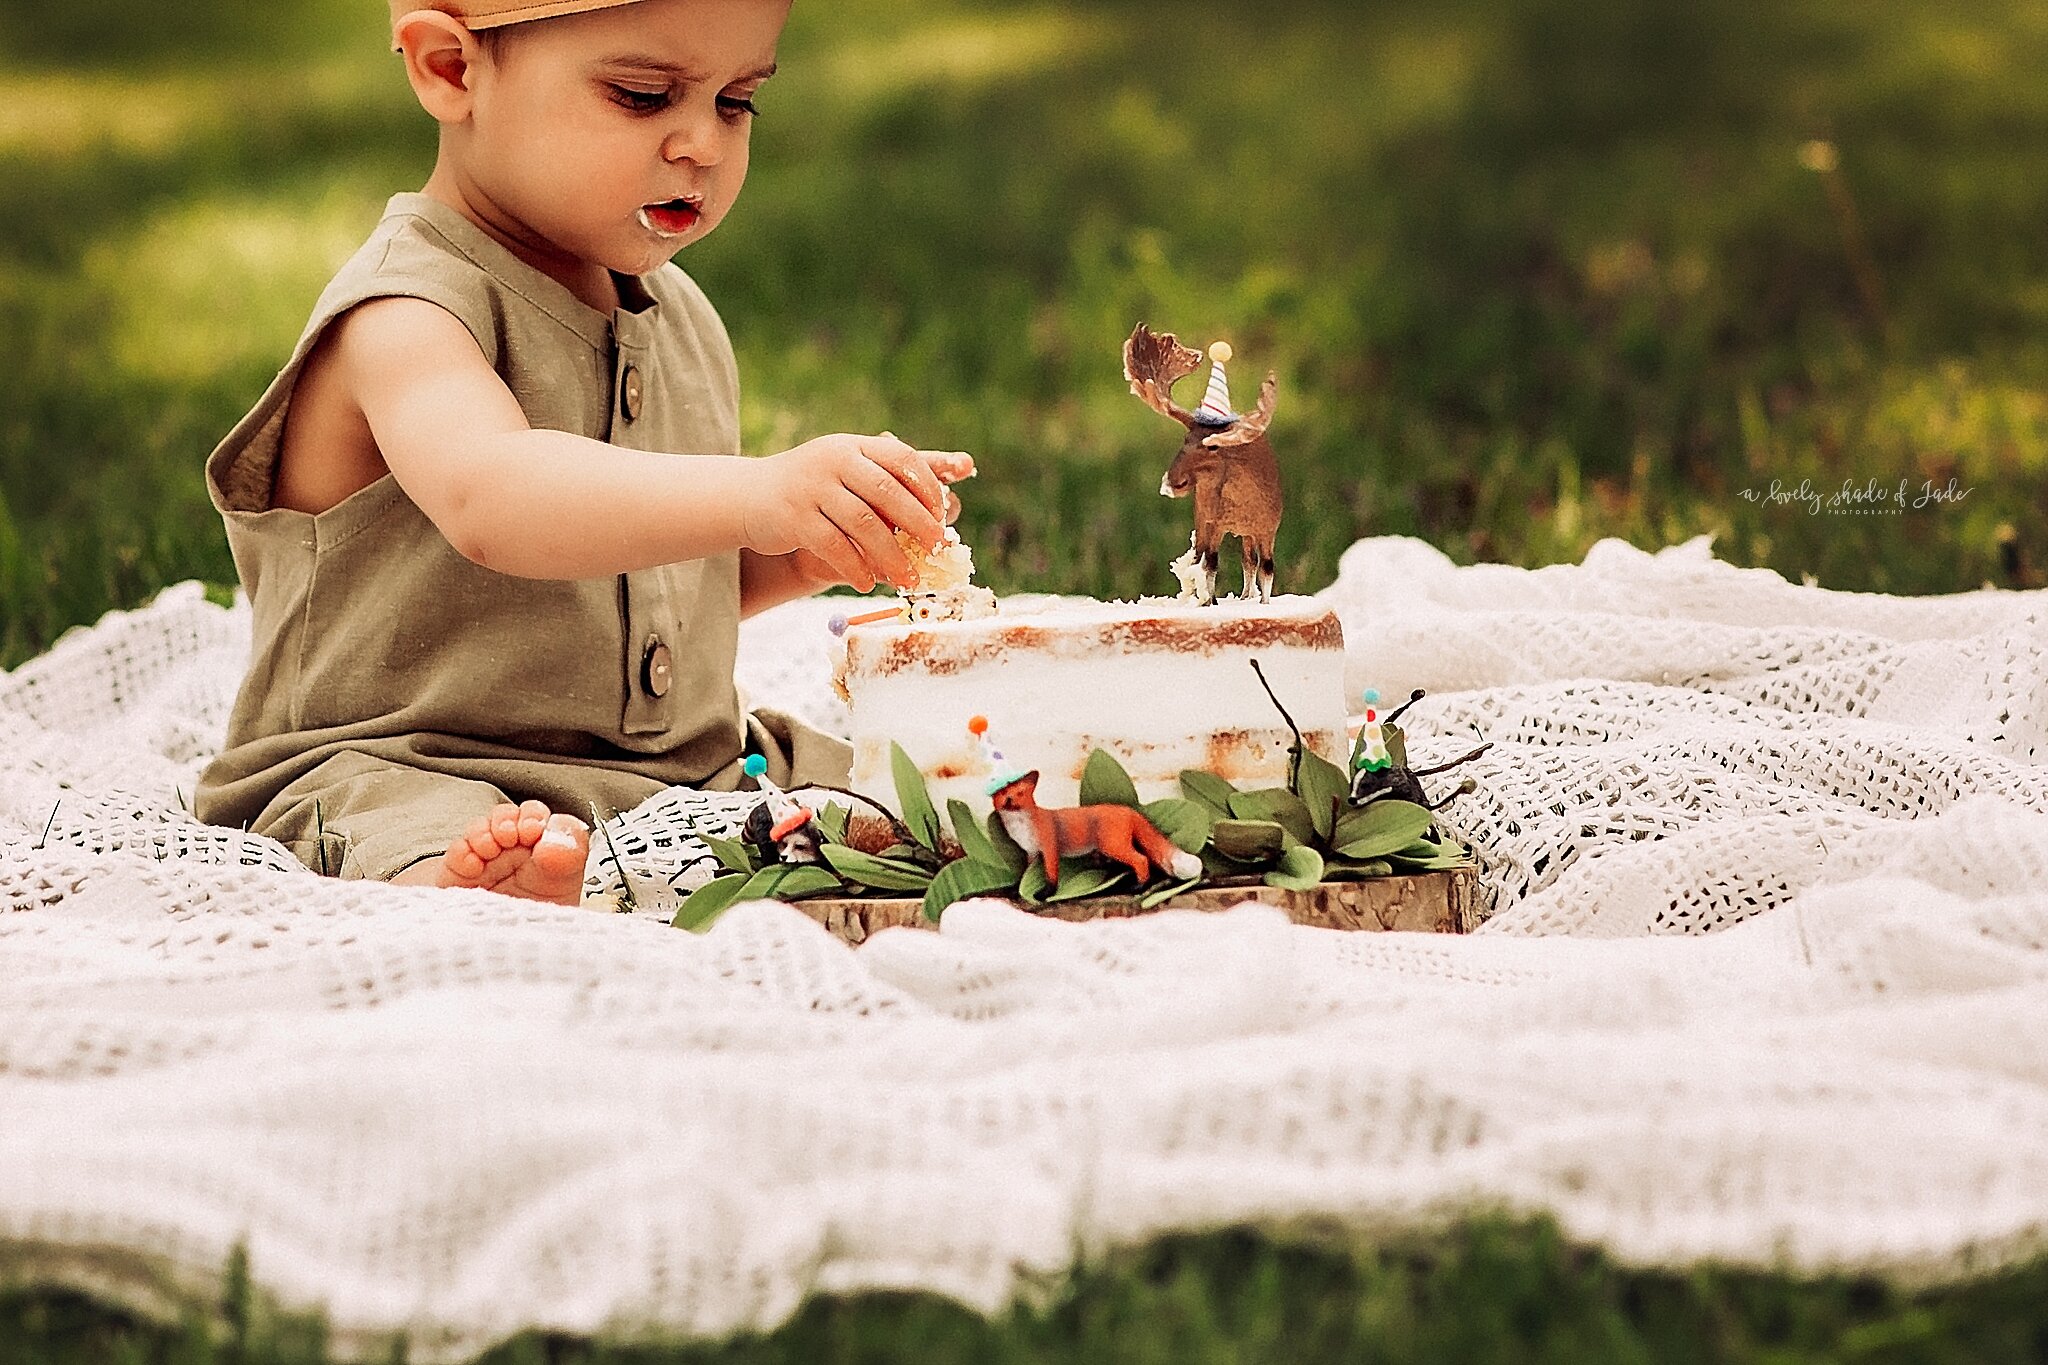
(397, 690)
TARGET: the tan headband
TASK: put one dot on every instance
(497, 13)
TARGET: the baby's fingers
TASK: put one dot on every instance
(950, 465)
(828, 543)
(908, 465)
(860, 523)
(888, 490)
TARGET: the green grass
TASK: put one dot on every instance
(1489, 1291)
(1533, 272)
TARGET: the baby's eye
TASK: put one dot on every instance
(640, 101)
(735, 106)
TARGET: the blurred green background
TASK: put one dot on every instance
(1533, 272)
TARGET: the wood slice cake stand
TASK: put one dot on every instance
(1429, 903)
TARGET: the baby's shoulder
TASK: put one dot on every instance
(674, 289)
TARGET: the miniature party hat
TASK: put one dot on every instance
(790, 814)
(1371, 754)
(1001, 772)
(1216, 410)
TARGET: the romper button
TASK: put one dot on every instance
(631, 393)
(656, 667)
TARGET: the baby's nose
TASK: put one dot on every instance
(693, 142)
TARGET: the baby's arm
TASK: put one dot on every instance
(549, 504)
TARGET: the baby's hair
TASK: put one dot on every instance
(495, 41)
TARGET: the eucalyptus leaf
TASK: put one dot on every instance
(1160, 895)
(704, 905)
(1378, 829)
(1321, 786)
(974, 841)
(1355, 870)
(1300, 869)
(1207, 789)
(766, 884)
(732, 854)
(1034, 887)
(1105, 783)
(832, 819)
(879, 874)
(809, 880)
(1397, 744)
(1088, 881)
(1278, 805)
(963, 878)
(1248, 841)
(1009, 852)
(916, 801)
(1186, 823)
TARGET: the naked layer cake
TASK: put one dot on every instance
(1161, 684)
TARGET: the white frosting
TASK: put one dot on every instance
(1163, 685)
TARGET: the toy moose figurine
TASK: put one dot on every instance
(1226, 463)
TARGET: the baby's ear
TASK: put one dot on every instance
(440, 56)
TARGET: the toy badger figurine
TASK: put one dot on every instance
(1226, 463)
(1118, 833)
(780, 827)
(1379, 760)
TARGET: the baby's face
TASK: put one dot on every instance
(620, 136)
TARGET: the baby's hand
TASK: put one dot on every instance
(841, 499)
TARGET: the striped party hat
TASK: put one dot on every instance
(1001, 772)
(1216, 410)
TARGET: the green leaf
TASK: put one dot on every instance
(1087, 881)
(1105, 783)
(832, 819)
(1034, 887)
(1322, 788)
(704, 905)
(973, 839)
(1355, 870)
(1300, 869)
(878, 874)
(766, 884)
(1186, 823)
(1380, 828)
(732, 854)
(1397, 744)
(1279, 805)
(808, 880)
(918, 811)
(1207, 789)
(1009, 852)
(962, 878)
(1248, 841)
(1159, 895)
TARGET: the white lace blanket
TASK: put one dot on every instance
(456, 1114)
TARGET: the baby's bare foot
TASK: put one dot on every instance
(522, 851)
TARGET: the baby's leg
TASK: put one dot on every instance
(359, 816)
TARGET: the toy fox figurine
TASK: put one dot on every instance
(1116, 832)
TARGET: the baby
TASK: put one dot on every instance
(491, 516)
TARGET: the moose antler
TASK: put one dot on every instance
(1253, 425)
(1154, 363)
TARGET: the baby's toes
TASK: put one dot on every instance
(564, 845)
(464, 861)
(504, 820)
(533, 819)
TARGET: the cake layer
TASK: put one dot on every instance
(1163, 685)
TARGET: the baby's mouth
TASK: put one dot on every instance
(675, 217)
